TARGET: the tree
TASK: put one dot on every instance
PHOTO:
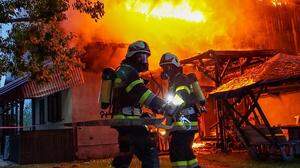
(36, 43)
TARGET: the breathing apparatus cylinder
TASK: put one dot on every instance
(108, 75)
(197, 89)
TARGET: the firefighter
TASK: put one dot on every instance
(184, 92)
(129, 95)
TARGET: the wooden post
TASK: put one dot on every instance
(264, 118)
(236, 123)
(33, 113)
(256, 118)
(249, 112)
(16, 109)
(75, 140)
(21, 115)
(230, 107)
(221, 132)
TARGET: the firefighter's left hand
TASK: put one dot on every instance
(170, 110)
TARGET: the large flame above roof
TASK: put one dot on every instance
(182, 10)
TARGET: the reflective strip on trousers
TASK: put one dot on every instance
(145, 96)
(120, 116)
(183, 88)
(192, 163)
(185, 164)
(179, 123)
(133, 84)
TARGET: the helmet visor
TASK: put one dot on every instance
(168, 69)
(143, 58)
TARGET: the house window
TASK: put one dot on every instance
(27, 116)
(54, 107)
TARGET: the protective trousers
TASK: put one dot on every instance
(181, 152)
(136, 140)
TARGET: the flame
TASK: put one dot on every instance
(279, 2)
(198, 145)
(183, 27)
(162, 132)
(181, 11)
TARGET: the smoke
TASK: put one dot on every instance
(227, 24)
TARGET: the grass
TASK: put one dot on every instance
(234, 160)
(101, 163)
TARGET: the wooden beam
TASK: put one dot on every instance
(250, 110)
(246, 116)
(213, 54)
(202, 69)
(256, 118)
(264, 118)
(244, 53)
(225, 68)
(222, 136)
(251, 125)
(235, 121)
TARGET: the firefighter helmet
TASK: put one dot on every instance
(138, 47)
(169, 59)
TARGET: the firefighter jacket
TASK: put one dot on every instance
(180, 87)
(130, 94)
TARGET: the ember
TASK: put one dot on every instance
(279, 2)
(162, 132)
(198, 145)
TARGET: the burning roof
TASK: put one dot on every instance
(279, 68)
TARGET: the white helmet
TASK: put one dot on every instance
(169, 59)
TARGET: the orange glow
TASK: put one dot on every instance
(183, 27)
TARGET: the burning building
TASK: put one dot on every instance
(184, 27)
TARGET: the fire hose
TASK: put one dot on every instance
(157, 122)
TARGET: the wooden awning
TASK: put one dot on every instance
(279, 69)
(33, 89)
(13, 84)
(24, 88)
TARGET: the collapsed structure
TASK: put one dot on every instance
(278, 77)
